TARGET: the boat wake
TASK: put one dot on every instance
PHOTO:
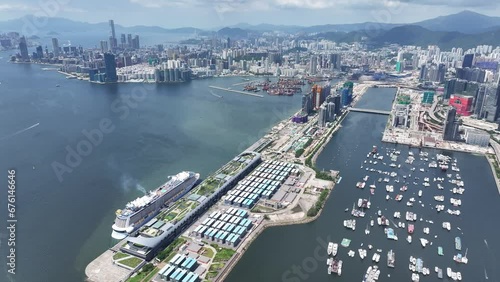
(486, 242)
(20, 131)
(218, 96)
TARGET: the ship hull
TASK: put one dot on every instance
(136, 220)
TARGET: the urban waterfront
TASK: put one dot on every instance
(298, 253)
(63, 225)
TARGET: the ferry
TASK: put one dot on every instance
(447, 225)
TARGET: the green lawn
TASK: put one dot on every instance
(131, 262)
(141, 276)
(119, 255)
(223, 254)
(170, 216)
(214, 269)
(208, 252)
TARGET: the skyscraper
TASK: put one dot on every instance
(123, 41)
(104, 46)
(39, 52)
(112, 37)
(335, 61)
(307, 105)
(23, 48)
(467, 62)
(449, 88)
(55, 47)
(110, 65)
(313, 64)
(440, 73)
(423, 73)
(450, 128)
(135, 42)
(129, 41)
(322, 116)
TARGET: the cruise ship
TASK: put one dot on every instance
(142, 209)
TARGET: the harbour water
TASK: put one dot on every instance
(298, 252)
(63, 225)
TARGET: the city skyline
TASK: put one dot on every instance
(219, 13)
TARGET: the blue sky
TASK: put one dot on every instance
(217, 13)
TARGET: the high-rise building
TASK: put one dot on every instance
(307, 106)
(400, 61)
(449, 88)
(450, 128)
(110, 65)
(104, 46)
(135, 42)
(479, 101)
(23, 48)
(123, 41)
(322, 116)
(313, 65)
(433, 73)
(335, 61)
(467, 62)
(129, 41)
(423, 73)
(55, 47)
(112, 37)
(338, 105)
(330, 109)
(440, 73)
(39, 52)
(490, 109)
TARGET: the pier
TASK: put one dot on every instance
(236, 91)
(369, 111)
(247, 82)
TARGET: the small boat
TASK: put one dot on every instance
(440, 250)
(330, 248)
(335, 248)
(420, 193)
(458, 243)
(408, 239)
(440, 273)
(372, 222)
(424, 242)
(391, 258)
(411, 228)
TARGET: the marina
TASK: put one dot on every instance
(348, 156)
(426, 236)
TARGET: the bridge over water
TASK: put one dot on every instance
(361, 110)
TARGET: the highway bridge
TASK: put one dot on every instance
(380, 112)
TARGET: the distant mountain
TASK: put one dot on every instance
(233, 33)
(465, 22)
(62, 25)
(418, 36)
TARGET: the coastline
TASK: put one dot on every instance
(362, 89)
(285, 216)
(258, 231)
